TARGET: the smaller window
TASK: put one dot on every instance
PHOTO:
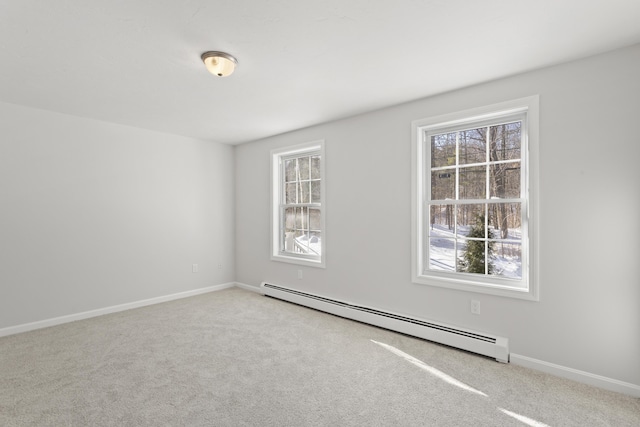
(298, 233)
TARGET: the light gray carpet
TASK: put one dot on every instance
(233, 358)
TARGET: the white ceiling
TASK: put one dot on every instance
(137, 62)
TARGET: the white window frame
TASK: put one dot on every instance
(528, 287)
(277, 197)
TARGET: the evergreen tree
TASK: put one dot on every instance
(474, 255)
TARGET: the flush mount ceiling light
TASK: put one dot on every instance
(219, 63)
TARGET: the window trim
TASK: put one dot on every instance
(530, 162)
(277, 155)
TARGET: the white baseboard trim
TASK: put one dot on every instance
(11, 330)
(576, 375)
(246, 287)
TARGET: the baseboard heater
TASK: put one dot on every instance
(480, 343)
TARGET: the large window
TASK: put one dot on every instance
(297, 204)
(472, 200)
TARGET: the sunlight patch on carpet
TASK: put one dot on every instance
(528, 421)
(433, 371)
(449, 379)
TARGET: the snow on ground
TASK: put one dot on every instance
(313, 243)
(507, 258)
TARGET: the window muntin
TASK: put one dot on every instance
(298, 193)
(471, 224)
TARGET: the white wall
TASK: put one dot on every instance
(588, 317)
(95, 214)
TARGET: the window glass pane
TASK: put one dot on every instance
(505, 180)
(290, 170)
(441, 220)
(305, 192)
(461, 250)
(315, 243)
(303, 231)
(290, 189)
(443, 184)
(472, 257)
(442, 254)
(443, 150)
(505, 141)
(303, 165)
(315, 167)
(314, 219)
(289, 241)
(470, 220)
(505, 221)
(506, 260)
(473, 146)
(288, 233)
(289, 219)
(315, 191)
(308, 244)
(301, 218)
(473, 182)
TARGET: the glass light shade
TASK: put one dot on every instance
(219, 63)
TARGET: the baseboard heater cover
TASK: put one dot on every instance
(480, 343)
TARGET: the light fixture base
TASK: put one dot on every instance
(219, 64)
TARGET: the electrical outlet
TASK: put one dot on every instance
(299, 274)
(475, 306)
(194, 268)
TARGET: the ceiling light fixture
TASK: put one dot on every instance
(219, 63)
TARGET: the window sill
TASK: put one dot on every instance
(298, 261)
(477, 287)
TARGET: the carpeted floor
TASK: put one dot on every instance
(234, 358)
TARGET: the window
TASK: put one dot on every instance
(473, 200)
(298, 232)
